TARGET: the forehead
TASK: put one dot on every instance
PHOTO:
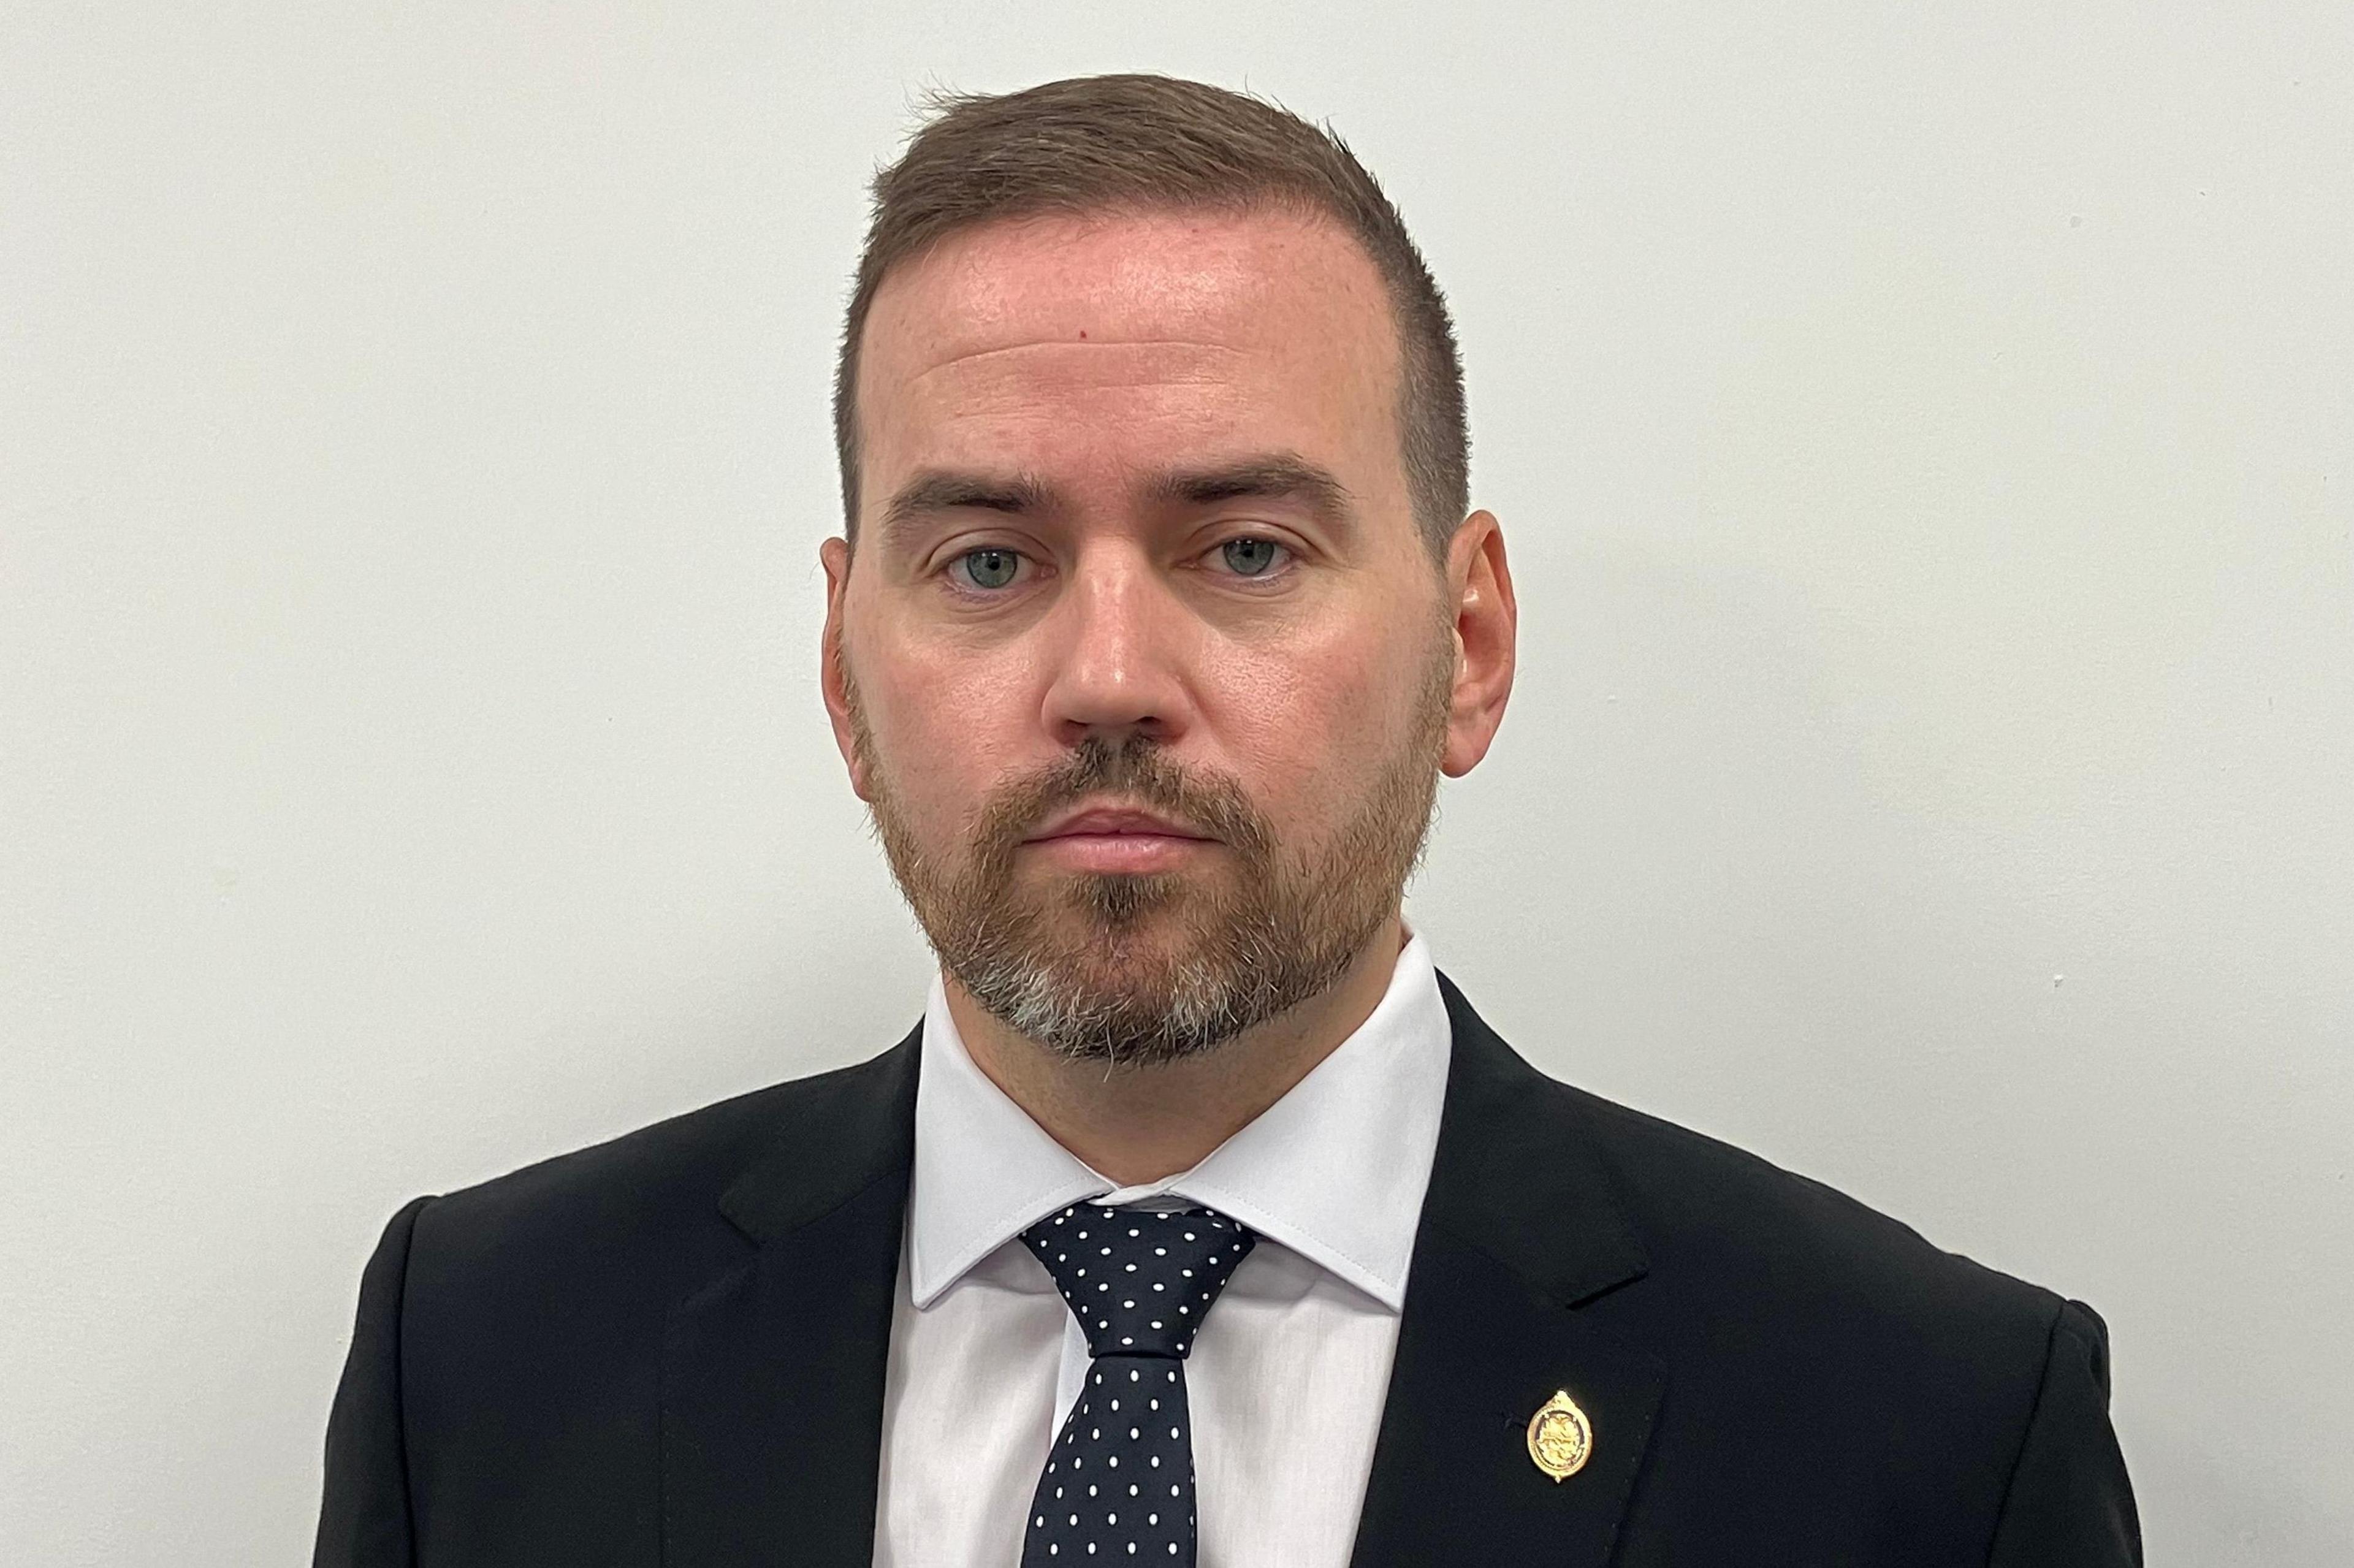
(1060, 337)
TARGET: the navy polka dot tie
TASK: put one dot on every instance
(1118, 1483)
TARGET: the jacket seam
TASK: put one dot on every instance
(2027, 1433)
(400, 1380)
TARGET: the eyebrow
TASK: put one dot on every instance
(935, 491)
(1279, 476)
(1274, 476)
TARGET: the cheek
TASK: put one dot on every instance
(1300, 729)
(946, 728)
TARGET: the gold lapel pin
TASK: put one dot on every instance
(1561, 1439)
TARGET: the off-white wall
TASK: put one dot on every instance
(1922, 436)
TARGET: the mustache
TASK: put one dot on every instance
(1139, 770)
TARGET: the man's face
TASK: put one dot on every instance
(1135, 534)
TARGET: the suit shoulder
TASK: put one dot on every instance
(656, 1185)
(1711, 1212)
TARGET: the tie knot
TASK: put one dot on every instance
(1138, 1280)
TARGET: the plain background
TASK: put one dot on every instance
(1924, 437)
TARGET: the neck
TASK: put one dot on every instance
(1140, 1124)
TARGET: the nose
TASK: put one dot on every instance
(1116, 643)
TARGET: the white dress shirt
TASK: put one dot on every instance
(1288, 1376)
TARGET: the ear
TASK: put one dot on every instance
(833, 669)
(1487, 631)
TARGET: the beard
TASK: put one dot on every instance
(1147, 967)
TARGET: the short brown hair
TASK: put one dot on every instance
(1107, 142)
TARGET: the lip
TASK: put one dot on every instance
(1114, 821)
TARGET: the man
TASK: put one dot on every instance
(1200, 1219)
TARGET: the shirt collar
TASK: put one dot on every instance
(1335, 1169)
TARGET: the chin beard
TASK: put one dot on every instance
(1142, 970)
(1129, 997)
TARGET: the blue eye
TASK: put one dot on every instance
(989, 567)
(1250, 557)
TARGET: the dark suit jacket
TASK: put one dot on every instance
(669, 1350)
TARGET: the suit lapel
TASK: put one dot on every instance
(1519, 1230)
(772, 1374)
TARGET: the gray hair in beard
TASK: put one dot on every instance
(1275, 933)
